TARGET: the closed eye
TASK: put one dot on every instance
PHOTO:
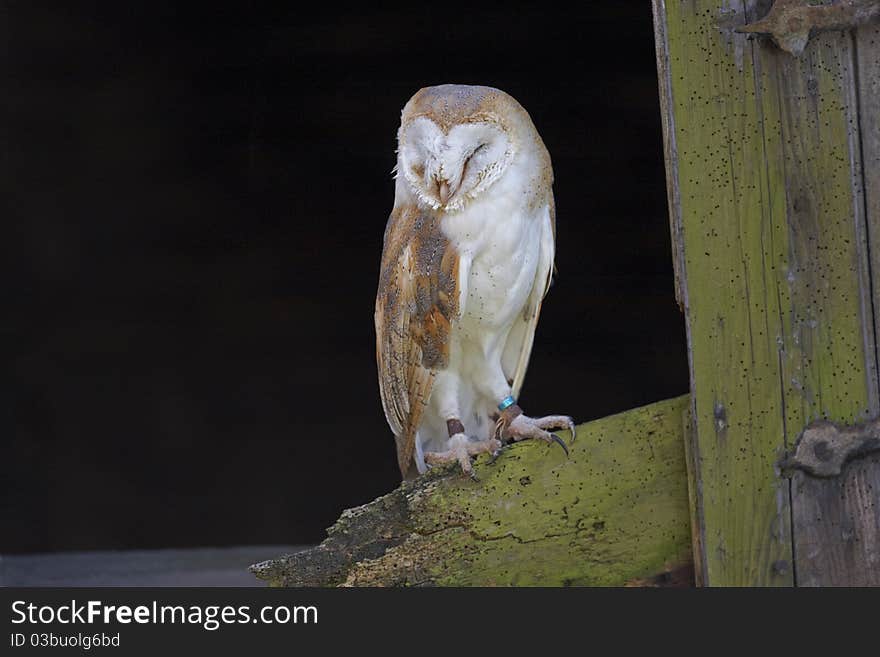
(469, 157)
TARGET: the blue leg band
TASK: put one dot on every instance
(506, 402)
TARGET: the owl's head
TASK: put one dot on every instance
(455, 141)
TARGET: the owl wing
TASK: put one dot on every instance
(416, 305)
(518, 348)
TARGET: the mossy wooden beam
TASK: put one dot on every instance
(836, 520)
(769, 230)
(614, 513)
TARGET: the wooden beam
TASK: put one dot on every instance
(867, 51)
(764, 161)
(836, 519)
(614, 513)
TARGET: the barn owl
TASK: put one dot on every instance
(467, 259)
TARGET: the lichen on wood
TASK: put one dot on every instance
(769, 225)
(615, 512)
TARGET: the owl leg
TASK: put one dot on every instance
(514, 425)
(461, 449)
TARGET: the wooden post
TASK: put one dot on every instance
(772, 167)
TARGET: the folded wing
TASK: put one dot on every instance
(416, 305)
(518, 348)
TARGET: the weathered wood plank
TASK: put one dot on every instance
(868, 62)
(768, 225)
(614, 513)
(670, 155)
(836, 519)
(693, 501)
(836, 504)
(838, 526)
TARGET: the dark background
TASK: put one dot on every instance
(194, 202)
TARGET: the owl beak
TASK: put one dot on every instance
(443, 191)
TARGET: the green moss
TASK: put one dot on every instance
(772, 263)
(614, 511)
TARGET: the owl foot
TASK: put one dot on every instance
(461, 450)
(522, 427)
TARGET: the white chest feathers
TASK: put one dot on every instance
(500, 247)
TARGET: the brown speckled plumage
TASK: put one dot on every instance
(448, 105)
(415, 307)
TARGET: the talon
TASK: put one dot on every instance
(573, 429)
(559, 442)
(462, 454)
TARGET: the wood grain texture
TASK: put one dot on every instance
(775, 275)
(836, 504)
(837, 520)
(867, 45)
(670, 155)
(614, 513)
(693, 497)
(837, 541)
